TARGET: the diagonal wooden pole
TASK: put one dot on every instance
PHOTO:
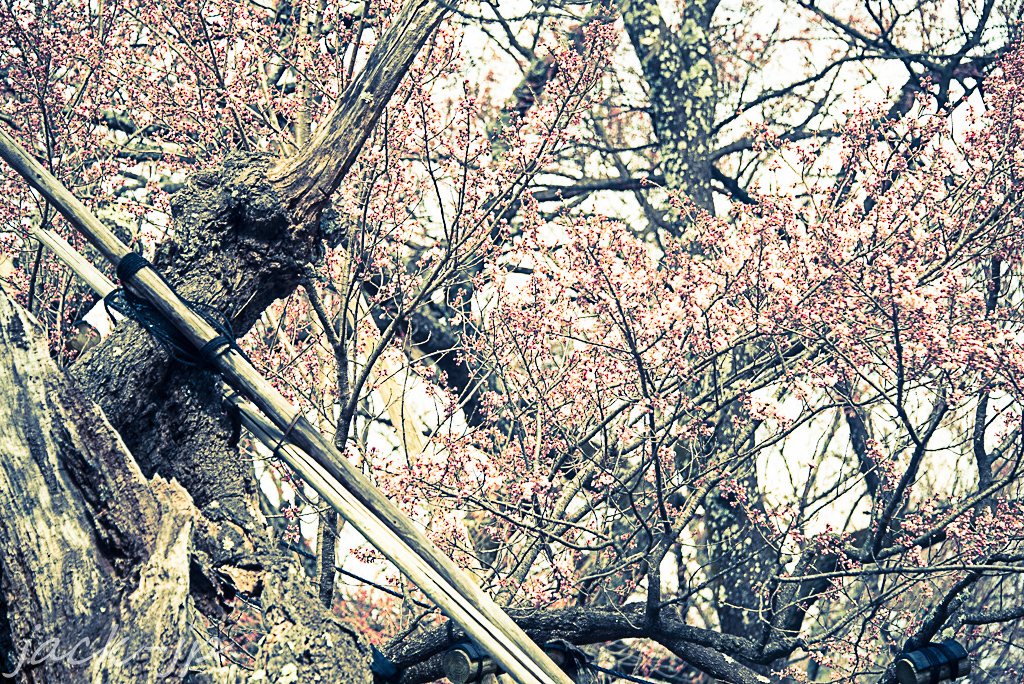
(92, 276)
(482, 619)
(349, 507)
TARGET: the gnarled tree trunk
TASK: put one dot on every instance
(99, 561)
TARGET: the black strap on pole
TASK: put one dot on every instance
(127, 303)
(934, 663)
(952, 657)
(130, 264)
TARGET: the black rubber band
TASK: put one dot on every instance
(130, 264)
(934, 663)
(214, 348)
(954, 662)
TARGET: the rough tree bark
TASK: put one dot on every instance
(99, 561)
(679, 68)
(89, 542)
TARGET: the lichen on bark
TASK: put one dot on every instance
(679, 69)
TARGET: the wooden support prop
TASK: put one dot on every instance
(78, 263)
(380, 535)
(446, 585)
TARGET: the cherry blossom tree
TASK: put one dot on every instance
(696, 340)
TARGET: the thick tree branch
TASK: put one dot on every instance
(679, 68)
(707, 650)
(307, 180)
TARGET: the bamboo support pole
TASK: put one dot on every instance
(383, 538)
(475, 611)
(78, 263)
